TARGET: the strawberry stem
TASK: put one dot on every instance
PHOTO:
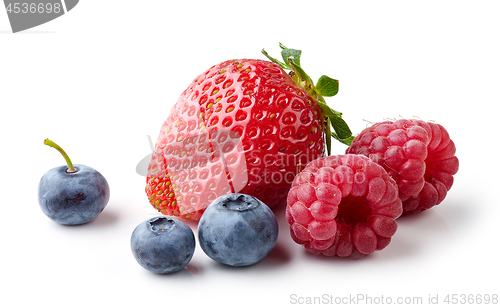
(52, 144)
(326, 87)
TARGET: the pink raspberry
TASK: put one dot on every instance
(419, 155)
(441, 166)
(344, 205)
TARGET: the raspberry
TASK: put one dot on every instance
(344, 205)
(418, 155)
(441, 166)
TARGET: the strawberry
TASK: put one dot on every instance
(242, 126)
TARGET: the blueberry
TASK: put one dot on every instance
(72, 195)
(73, 198)
(162, 244)
(237, 230)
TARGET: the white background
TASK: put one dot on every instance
(103, 77)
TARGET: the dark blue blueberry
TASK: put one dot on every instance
(162, 244)
(237, 230)
(73, 198)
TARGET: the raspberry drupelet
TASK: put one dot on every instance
(344, 205)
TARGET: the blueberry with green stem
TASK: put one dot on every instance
(72, 194)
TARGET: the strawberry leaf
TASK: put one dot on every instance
(327, 111)
(342, 132)
(276, 61)
(346, 141)
(327, 86)
(340, 126)
(288, 52)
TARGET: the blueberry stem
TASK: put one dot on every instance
(52, 144)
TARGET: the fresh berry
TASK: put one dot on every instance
(237, 230)
(241, 126)
(162, 244)
(441, 166)
(419, 155)
(72, 194)
(343, 205)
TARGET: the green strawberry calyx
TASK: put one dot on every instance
(325, 87)
(50, 143)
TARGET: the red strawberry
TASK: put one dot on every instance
(242, 126)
